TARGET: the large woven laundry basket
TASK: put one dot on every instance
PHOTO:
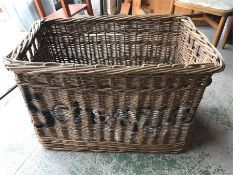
(114, 83)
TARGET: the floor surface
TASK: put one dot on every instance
(210, 151)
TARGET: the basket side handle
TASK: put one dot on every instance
(20, 52)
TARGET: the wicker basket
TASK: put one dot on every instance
(114, 83)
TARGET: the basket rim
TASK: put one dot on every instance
(28, 67)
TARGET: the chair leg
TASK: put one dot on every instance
(219, 30)
(89, 8)
(228, 32)
(65, 8)
(172, 7)
(39, 8)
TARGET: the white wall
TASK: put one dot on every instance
(22, 13)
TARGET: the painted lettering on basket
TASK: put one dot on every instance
(59, 112)
(143, 118)
(30, 98)
(50, 122)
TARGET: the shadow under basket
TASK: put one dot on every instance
(114, 83)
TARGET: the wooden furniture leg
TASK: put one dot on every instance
(125, 6)
(136, 8)
(218, 33)
(65, 8)
(40, 8)
(89, 8)
(172, 7)
(210, 21)
(228, 32)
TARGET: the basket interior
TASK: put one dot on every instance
(115, 42)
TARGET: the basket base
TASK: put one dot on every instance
(68, 145)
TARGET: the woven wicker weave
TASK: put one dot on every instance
(114, 83)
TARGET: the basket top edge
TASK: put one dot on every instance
(53, 67)
(118, 18)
